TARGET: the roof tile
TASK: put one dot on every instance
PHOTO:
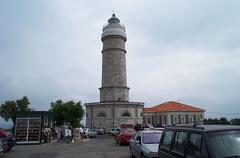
(172, 106)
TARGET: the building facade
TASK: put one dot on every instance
(114, 107)
(169, 113)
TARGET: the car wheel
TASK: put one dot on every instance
(142, 155)
(5, 146)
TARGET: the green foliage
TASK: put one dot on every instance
(68, 112)
(8, 108)
(235, 121)
(23, 104)
(222, 121)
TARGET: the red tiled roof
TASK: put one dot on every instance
(172, 106)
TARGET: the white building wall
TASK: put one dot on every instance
(173, 115)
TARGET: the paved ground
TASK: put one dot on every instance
(100, 147)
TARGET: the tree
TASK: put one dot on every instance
(223, 120)
(235, 121)
(9, 108)
(68, 112)
(23, 104)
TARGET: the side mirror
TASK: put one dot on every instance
(137, 141)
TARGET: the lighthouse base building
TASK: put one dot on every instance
(114, 107)
(113, 114)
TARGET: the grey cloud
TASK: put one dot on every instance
(51, 50)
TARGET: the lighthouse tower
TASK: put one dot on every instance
(114, 107)
(114, 78)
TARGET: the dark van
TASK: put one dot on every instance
(200, 141)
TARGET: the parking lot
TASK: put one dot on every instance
(103, 146)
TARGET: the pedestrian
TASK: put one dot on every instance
(58, 134)
(66, 134)
(72, 135)
(81, 132)
(47, 134)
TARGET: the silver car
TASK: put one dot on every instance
(145, 144)
(91, 133)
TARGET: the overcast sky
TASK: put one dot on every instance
(176, 50)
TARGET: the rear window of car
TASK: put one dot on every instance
(166, 143)
(130, 131)
(152, 138)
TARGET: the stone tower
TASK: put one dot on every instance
(114, 78)
(114, 107)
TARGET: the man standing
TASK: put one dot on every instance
(81, 132)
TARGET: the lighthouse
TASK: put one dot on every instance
(114, 78)
(114, 107)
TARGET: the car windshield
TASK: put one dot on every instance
(152, 138)
(225, 144)
(127, 131)
(91, 130)
(130, 131)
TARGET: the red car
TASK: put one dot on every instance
(125, 135)
(8, 140)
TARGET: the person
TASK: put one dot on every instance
(66, 134)
(62, 134)
(47, 132)
(81, 132)
(72, 135)
(69, 135)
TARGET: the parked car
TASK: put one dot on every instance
(114, 131)
(100, 130)
(145, 144)
(125, 135)
(8, 140)
(91, 133)
(200, 141)
(126, 125)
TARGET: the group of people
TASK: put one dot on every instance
(66, 134)
(63, 133)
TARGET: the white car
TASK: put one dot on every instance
(145, 143)
(114, 131)
(92, 133)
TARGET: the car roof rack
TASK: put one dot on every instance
(195, 125)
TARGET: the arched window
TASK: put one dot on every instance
(101, 114)
(126, 114)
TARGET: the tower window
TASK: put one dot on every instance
(125, 114)
(101, 114)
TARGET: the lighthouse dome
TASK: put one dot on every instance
(114, 27)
